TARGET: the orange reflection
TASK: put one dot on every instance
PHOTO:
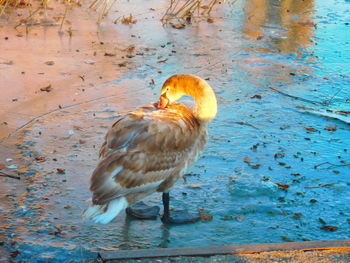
(294, 16)
(256, 13)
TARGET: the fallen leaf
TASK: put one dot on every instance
(109, 54)
(178, 26)
(282, 186)
(205, 7)
(329, 228)
(123, 64)
(2, 166)
(311, 129)
(256, 96)
(81, 141)
(130, 48)
(255, 166)
(330, 128)
(68, 207)
(343, 112)
(14, 253)
(322, 221)
(47, 88)
(297, 215)
(204, 216)
(246, 159)
(163, 61)
(40, 158)
(9, 62)
(50, 63)
(61, 171)
(210, 20)
(128, 20)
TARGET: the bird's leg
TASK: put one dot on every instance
(142, 211)
(177, 216)
(166, 200)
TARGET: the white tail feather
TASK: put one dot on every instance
(97, 214)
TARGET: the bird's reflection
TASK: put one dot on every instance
(127, 242)
(165, 238)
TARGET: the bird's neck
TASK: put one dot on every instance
(206, 105)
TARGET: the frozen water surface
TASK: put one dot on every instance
(258, 176)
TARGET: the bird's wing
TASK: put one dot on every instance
(143, 149)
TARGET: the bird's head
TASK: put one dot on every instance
(186, 84)
(171, 91)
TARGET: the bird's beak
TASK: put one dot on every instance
(163, 101)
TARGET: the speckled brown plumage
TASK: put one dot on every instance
(150, 145)
(149, 149)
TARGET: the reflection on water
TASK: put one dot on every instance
(288, 23)
(264, 44)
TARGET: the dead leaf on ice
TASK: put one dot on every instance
(128, 20)
(47, 88)
(204, 216)
(178, 26)
(330, 128)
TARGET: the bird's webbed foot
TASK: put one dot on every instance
(179, 217)
(141, 210)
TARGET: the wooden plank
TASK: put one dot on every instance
(223, 250)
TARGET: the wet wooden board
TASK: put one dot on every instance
(223, 250)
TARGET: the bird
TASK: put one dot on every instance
(149, 149)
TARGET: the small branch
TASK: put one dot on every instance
(246, 124)
(331, 164)
(296, 98)
(320, 185)
(10, 176)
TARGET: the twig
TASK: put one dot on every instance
(296, 98)
(30, 16)
(64, 17)
(335, 94)
(331, 164)
(51, 112)
(10, 176)
(246, 123)
(320, 185)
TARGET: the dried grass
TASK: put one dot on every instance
(182, 10)
(188, 9)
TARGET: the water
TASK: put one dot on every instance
(303, 52)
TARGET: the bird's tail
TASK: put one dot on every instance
(104, 214)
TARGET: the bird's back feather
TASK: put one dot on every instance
(146, 150)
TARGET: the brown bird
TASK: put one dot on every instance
(149, 149)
